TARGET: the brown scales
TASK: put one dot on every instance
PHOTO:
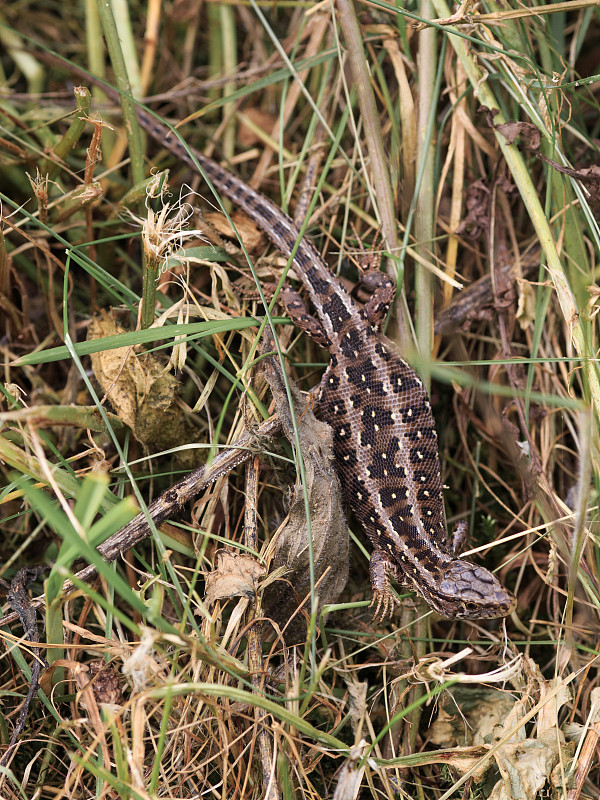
(385, 443)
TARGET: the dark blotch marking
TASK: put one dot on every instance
(331, 381)
(358, 486)
(408, 531)
(391, 495)
(427, 434)
(372, 416)
(350, 343)
(320, 285)
(376, 389)
(411, 413)
(345, 457)
(421, 476)
(380, 465)
(280, 229)
(428, 455)
(341, 434)
(355, 374)
(337, 312)
(403, 381)
(382, 351)
(331, 409)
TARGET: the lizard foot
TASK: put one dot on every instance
(386, 601)
(381, 569)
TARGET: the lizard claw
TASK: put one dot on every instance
(380, 570)
(386, 601)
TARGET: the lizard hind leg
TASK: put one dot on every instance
(381, 568)
(298, 312)
(382, 291)
(379, 286)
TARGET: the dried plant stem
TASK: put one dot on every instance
(529, 196)
(424, 217)
(257, 670)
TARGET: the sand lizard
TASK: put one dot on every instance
(385, 443)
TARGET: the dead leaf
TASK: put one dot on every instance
(350, 775)
(530, 135)
(477, 220)
(251, 236)
(526, 306)
(236, 575)
(590, 176)
(468, 716)
(140, 389)
(247, 137)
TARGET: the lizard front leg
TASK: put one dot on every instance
(460, 536)
(381, 568)
(300, 316)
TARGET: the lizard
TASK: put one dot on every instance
(384, 438)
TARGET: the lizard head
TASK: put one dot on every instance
(467, 591)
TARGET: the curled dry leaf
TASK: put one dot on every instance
(468, 716)
(236, 575)
(527, 305)
(252, 121)
(106, 683)
(589, 176)
(477, 220)
(484, 717)
(249, 233)
(530, 135)
(140, 389)
(351, 773)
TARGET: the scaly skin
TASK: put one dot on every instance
(385, 443)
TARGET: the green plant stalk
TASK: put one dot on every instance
(579, 534)
(80, 417)
(113, 43)
(233, 694)
(424, 216)
(121, 15)
(377, 159)
(28, 465)
(160, 744)
(150, 275)
(118, 748)
(106, 776)
(61, 150)
(522, 179)
(94, 48)
(136, 150)
(191, 331)
(227, 31)
(54, 637)
(150, 186)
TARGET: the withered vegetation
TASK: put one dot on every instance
(224, 646)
